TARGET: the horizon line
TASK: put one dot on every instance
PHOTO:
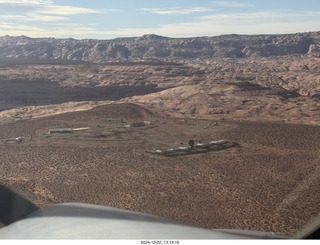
(161, 36)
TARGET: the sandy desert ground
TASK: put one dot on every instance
(269, 182)
(268, 106)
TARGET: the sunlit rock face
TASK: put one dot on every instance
(160, 48)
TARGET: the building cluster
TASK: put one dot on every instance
(192, 148)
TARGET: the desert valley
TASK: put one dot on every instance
(110, 123)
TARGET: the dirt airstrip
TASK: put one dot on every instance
(269, 182)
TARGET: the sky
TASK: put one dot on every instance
(106, 19)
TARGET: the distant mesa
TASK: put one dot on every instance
(152, 37)
(152, 46)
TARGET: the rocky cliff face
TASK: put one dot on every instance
(153, 47)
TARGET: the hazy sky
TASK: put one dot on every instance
(106, 19)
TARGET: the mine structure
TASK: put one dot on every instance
(214, 145)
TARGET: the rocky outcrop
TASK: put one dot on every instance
(153, 47)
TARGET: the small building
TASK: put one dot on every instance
(141, 124)
(169, 150)
(184, 148)
(60, 131)
(202, 145)
(19, 139)
(138, 124)
(217, 142)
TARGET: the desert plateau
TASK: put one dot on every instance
(96, 121)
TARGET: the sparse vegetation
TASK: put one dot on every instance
(99, 166)
(262, 101)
